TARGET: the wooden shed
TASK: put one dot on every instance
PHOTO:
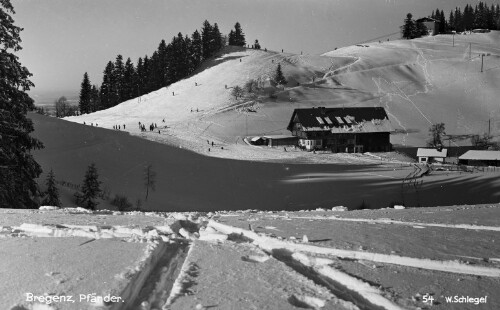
(480, 158)
(280, 140)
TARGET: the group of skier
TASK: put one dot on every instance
(152, 127)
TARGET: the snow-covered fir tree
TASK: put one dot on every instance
(279, 77)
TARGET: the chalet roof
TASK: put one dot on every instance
(422, 152)
(481, 155)
(342, 120)
(427, 19)
(277, 137)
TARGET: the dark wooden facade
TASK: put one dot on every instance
(350, 130)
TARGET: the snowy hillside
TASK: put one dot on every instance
(419, 82)
(201, 94)
(430, 80)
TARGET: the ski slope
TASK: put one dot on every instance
(419, 82)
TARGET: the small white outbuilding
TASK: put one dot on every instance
(431, 155)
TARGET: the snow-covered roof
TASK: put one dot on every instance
(423, 152)
(342, 120)
(427, 19)
(481, 155)
(279, 137)
(255, 139)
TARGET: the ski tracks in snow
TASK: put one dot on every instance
(301, 257)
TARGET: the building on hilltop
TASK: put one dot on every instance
(480, 158)
(350, 130)
(431, 155)
(431, 24)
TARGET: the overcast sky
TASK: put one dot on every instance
(62, 39)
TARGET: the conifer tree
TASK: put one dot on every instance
(95, 102)
(128, 81)
(451, 21)
(179, 58)
(18, 169)
(146, 68)
(52, 194)
(459, 26)
(216, 39)
(231, 38)
(468, 17)
(239, 36)
(85, 95)
(279, 77)
(117, 78)
(196, 51)
(206, 38)
(90, 189)
(107, 96)
(442, 23)
(163, 55)
(408, 30)
(154, 80)
(139, 77)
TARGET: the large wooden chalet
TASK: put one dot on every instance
(350, 130)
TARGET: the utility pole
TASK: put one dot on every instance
(489, 127)
(482, 57)
(470, 47)
(453, 39)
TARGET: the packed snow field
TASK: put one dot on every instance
(439, 258)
